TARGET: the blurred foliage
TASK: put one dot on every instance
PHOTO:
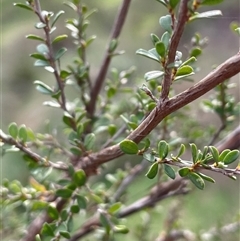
(30, 191)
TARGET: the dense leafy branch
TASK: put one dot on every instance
(224, 71)
(64, 198)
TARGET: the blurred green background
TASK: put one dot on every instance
(23, 104)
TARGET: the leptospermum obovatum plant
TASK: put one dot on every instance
(61, 200)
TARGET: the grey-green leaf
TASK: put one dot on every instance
(153, 75)
(169, 171)
(166, 23)
(60, 53)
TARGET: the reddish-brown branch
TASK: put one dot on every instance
(177, 33)
(226, 70)
(117, 27)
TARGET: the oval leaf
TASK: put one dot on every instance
(60, 53)
(183, 172)
(59, 38)
(196, 180)
(160, 48)
(153, 75)
(223, 154)
(13, 130)
(232, 156)
(79, 178)
(153, 170)
(64, 193)
(128, 147)
(22, 133)
(194, 151)
(184, 70)
(166, 23)
(169, 171)
(89, 141)
(52, 212)
(34, 37)
(215, 153)
(163, 148)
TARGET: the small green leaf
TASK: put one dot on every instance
(47, 230)
(52, 212)
(60, 53)
(163, 149)
(75, 209)
(38, 56)
(68, 119)
(89, 141)
(237, 30)
(181, 150)
(183, 172)
(153, 75)
(160, 48)
(64, 193)
(70, 224)
(40, 25)
(148, 54)
(65, 234)
(38, 238)
(184, 70)
(64, 74)
(205, 177)
(153, 171)
(166, 23)
(79, 178)
(81, 201)
(169, 171)
(59, 38)
(41, 63)
(215, 153)
(211, 2)
(196, 180)
(22, 133)
(64, 215)
(120, 229)
(21, 5)
(183, 77)
(149, 157)
(35, 37)
(232, 156)
(115, 207)
(191, 60)
(223, 154)
(43, 88)
(195, 52)
(56, 17)
(194, 151)
(113, 45)
(166, 39)
(154, 38)
(13, 130)
(104, 221)
(208, 14)
(128, 147)
(173, 3)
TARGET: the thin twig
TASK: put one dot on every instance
(174, 42)
(34, 156)
(47, 29)
(117, 27)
